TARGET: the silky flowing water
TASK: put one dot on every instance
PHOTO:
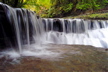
(28, 34)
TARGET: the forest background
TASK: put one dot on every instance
(58, 8)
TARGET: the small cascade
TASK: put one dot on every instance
(25, 32)
(19, 27)
(77, 31)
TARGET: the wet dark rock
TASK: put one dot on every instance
(57, 26)
(7, 35)
(106, 49)
(38, 17)
(14, 23)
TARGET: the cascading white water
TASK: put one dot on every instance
(77, 31)
(25, 34)
(26, 26)
(28, 32)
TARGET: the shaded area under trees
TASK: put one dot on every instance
(58, 8)
(14, 3)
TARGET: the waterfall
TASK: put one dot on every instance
(22, 28)
(77, 31)
(23, 33)
(19, 27)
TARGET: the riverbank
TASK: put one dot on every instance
(94, 16)
(70, 58)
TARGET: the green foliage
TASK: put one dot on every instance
(67, 7)
(82, 6)
(92, 4)
(92, 16)
(60, 7)
(14, 3)
(97, 16)
(40, 6)
(57, 8)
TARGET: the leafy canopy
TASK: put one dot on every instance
(57, 8)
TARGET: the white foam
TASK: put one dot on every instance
(96, 38)
(10, 54)
(35, 51)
